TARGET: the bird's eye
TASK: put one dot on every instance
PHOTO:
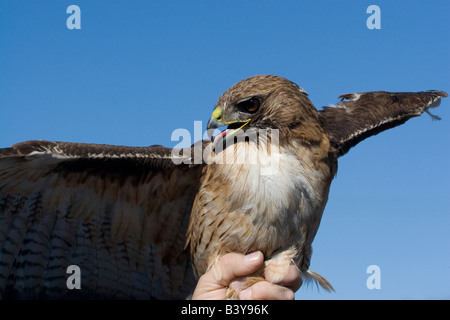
(249, 106)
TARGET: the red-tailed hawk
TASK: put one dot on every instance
(144, 222)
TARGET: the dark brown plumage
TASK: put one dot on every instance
(361, 115)
(119, 213)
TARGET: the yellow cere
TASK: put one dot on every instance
(217, 114)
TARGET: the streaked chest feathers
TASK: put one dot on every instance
(263, 199)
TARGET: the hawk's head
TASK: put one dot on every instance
(264, 102)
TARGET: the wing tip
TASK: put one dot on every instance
(435, 102)
(25, 148)
(441, 94)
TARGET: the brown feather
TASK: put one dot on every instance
(361, 115)
(119, 213)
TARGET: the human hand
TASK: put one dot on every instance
(235, 267)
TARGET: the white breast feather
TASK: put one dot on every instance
(274, 183)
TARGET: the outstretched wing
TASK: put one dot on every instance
(120, 214)
(361, 115)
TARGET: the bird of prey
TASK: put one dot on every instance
(146, 222)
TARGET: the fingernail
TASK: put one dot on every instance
(252, 256)
(246, 294)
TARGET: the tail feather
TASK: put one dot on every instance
(319, 280)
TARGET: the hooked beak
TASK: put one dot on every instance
(213, 124)
(216, 121)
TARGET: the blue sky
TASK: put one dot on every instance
(138, 70)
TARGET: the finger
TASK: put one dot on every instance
(265, 290)
(292, 279)
(234, 265)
